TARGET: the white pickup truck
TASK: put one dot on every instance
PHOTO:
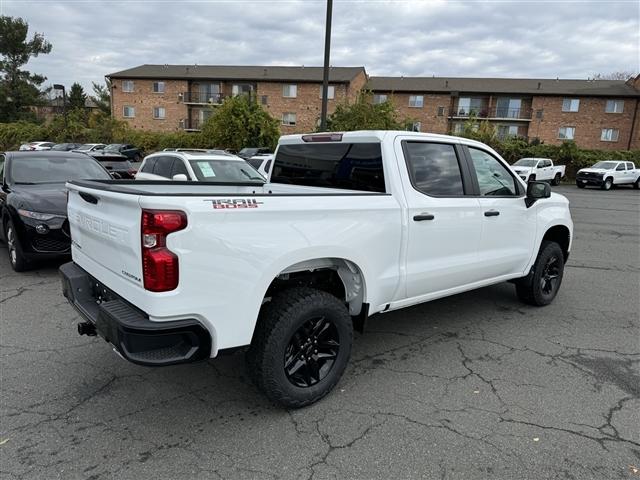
(608, 173)
(348, 225)
(539, 169)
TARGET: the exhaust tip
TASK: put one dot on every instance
(87, 328)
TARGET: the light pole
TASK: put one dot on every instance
(325, 77)
(58, 86)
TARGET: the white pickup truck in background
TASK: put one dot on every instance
(608, 173)
(348, 225)
(539, 169)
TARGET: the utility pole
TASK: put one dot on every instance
(325, 77)
(58, 86)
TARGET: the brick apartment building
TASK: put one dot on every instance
(601, 114)
(181, 97)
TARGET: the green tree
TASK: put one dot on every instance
(19, 89)
(240, 122)
(102, 97)
(77, 97)
(363, 114)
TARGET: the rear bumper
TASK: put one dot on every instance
(128, 329)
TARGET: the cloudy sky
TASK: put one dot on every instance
(548, 38)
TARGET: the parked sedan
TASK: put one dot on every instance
(90, 147)
(33, 202)
(65, 147)
(30, 146)
(126, 149)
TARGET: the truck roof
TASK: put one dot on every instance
(379, 135)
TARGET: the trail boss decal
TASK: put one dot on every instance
(229, 203)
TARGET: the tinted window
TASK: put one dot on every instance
(163, 166)
(255, 162)
(434, 168)
(630, 166)
(148, 165)
(179, 168)
(1, 167)
(493, 177)
(621, 167)
(55, 169)
(351, 166)
(267, 166)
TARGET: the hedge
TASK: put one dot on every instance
(105, 129)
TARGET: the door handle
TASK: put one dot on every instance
(491, 213)
(423, 216)
(87, 197)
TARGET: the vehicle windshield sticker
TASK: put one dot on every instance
(206, 169)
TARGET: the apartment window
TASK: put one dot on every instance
(264, 99)
(609, 135)
(505, 131)
(127, 86)
(379, 98)
(570, 104)
(566, 133)
(158, 87)
(289, 119)
(458, 128)
(440, 111)
(331, 91)
(290, 91)
(614, 106)
(241, 89)
(471, 106)
(416, 101)
(158, 113)
(416, 126)
(128, 111)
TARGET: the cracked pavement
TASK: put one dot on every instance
(472, 386)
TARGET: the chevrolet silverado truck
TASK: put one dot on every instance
(608, 173)
(539, 169)
(348, 225)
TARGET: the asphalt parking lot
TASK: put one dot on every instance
(473, 386)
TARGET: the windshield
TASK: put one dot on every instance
(228, 171)
(248, 151)
(112, 147)
(36, 170)
(526, 162)
(605, 165)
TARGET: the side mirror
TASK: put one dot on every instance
(536, 191)
(180, 177)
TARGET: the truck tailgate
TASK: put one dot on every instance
(105, 228)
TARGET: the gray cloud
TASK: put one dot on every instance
(569, 39)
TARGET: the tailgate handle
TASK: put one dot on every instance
(87, 197)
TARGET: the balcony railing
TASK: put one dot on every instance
(493, 113)
(191, 125)
(202, 98)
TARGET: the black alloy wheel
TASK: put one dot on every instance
(311, 352)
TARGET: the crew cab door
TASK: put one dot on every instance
(444, 224)
(508, 226)
(545, 170)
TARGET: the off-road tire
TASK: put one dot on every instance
(580, 185)
(279, 320)
(529, 289)
(556, 180)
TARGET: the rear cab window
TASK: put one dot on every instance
(348, 166)
(434, 168)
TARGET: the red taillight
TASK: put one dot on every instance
(159, 264)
